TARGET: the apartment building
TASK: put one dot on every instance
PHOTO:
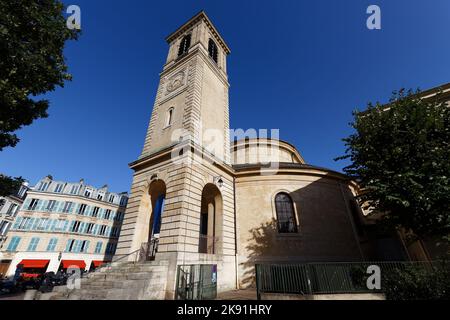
(63, 224)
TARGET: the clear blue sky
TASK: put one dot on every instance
(300, 66)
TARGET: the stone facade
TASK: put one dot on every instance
(219, 198)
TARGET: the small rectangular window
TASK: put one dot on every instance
(33, 204)
(52, 244)
(33, 244)
(95, 211)
(13, 244)
(98, 247)
(74, 189)
(82, 209)
(59, 188)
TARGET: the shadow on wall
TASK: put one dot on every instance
(326, 230)
(261, 241)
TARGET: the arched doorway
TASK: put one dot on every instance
(157, 193)
(210, 221)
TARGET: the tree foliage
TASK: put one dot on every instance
(9, 185)
(32, 38)
(418, 282)
(400, 156)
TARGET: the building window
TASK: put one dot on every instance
(13, 244)
(107, 214)
(52, 244)
(184, 45)
(50, 205)
(95, 212)
(285, 214)
(68, 207)
(74, 189)
(42, 224)
(169, 117)
(59, 225)
(100, 196)
(87, 193)
(25, 224)
(33, 204)
(12, 209)
(111, 198)
(89, 228)
(70, 245)
(102, 230)
(4, 226)
(33, 244)
(123, 201)
(98, 247)
(111, 248)
(212, 50)
(22, 192)
(82, 209)
(83, 246)
(44, 186)
(59, 188)
(76, 226)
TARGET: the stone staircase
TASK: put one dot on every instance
(118, 281)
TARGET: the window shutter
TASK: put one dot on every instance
(66, 223)
(71, 225)
(68, 245)
(48, 225)
(36, 222)
(42, 205)
(76, 208)
(29, 224)
(59, 206)
(52, 228)
(101, 212)
(26, 203)
(17, 223)
(82, 227)
(86, 247)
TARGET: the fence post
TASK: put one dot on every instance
(258, 292)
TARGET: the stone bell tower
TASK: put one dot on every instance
(192, 98)
(187, 207)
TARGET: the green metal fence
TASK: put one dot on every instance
(323, 278)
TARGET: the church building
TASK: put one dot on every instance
(202, 197)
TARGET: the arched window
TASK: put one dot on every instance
(169, 117)
(212, 49)
(184, 45)
(285, 213)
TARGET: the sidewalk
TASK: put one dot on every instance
(248, 294)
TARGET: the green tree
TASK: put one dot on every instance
(32, 38)
(400, 157)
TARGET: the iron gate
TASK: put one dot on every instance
(196, 282)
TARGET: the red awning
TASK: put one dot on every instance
(97, 263)
(73, 263)
(38, 264)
